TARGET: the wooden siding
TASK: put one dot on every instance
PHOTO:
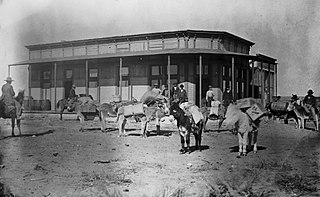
(203, 43)
(155, 45)
(56, 53)
(172, 43)
(123, 47)
(92, 49)
(138, 46)
(46, 53)
(107, 48)
(79, 51)
(35, 55)
(68, 52)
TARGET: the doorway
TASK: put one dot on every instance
(67, 87)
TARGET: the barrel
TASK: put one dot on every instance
(279, 106)
(45, 105)
(36, 105)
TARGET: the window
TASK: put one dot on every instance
(155, 70)
(205, 69)
(125, 71)
(46, 75)
(223, 71)
(93, 73)
(68, 74)
(230, 72)
(173, 69)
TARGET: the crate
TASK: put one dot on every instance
(246, 102)
(256, 111)
(130, 110)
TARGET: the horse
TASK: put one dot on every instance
(302, 115)
(244, 127)
(185, 127)
(12, 113)
(144, 114)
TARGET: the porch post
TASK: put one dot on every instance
(200, 79)
(262, 84)
(55, 85)
(269, 93)
(8, 70)
(120, 78)
(276, 78)
(87, 78)
(252, 71)
(233, 78)
(169, 78)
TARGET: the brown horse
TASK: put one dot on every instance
(12, 113)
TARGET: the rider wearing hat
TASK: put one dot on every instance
(8, 97)
(309, 102)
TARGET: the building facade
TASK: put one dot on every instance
(127, 66)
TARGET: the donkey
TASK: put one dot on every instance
(244, 127)
(185, 127)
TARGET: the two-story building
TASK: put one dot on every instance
(129, 65)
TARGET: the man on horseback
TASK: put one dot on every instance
(8, 98)
(309, 102)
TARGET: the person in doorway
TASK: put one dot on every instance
(182, 95)
(209, 96)
(156, 89)
(174, 92)
(227, 97)
(8, 97)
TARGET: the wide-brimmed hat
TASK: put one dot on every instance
(9, 79)
(310, 91)
(294, 97)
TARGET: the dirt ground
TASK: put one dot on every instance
(52, 158)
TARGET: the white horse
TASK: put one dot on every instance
(243, 126)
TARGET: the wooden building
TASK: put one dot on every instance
(127, 66)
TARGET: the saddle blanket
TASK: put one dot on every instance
(193, 109)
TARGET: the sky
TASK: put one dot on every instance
(287, 30)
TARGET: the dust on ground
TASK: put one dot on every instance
(52, 158)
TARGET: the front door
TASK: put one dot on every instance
(67, 87)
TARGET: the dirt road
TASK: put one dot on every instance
(52, 158)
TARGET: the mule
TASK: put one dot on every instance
(12, 113)
(156, 111)
(302, 115)
(62, 104)
(185, 127)
(103, 111)
(244, 127)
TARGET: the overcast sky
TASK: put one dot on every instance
(288, 30)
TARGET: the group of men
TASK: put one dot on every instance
(177, 93)
(227, 97)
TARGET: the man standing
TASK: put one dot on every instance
(182, 95)
(8, 97)
(309, 103)
(174, 91)
(227, 97)
(209, 96)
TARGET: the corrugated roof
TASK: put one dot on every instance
(132, 54)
